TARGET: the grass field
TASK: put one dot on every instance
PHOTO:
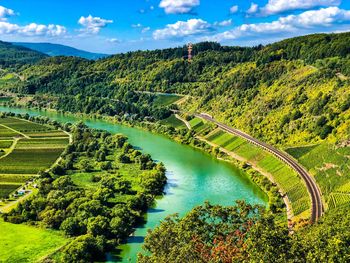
(22, 243)
(23, 126)
(331, 168)
(200, 127)
(6, 133)
(29, 161)
(26, 155)
(84, 180)
(287, 179)
(4, 144)
(165, 100)
(130, 172)
(173, 122)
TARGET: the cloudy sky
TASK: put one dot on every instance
(112, 26)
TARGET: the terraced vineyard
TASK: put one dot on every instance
(330, 165)
(287, 179)
(200, 126)
(25, 149)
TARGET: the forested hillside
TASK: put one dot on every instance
(289, 92)
(60, 50)
(11, 55)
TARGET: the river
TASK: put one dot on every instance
(193, 177)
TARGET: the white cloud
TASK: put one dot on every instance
(29, 30)
(183, 29)
(322, 18)
(113, 40)
(224, 23)
(145, 29)
(279, 6)
(32, 29)
(93, 25)
(136, 25)
(253, 8)
(178, 6)
(234, 9)
(5, 13)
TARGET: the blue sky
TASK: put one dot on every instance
(112, 26)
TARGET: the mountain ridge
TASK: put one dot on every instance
(51, 49)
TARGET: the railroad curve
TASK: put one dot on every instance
(311, 185)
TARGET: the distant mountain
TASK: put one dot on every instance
(60, 50)
(11, 55)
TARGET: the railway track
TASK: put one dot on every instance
(314, 191)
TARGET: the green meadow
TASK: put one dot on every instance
(23, 243)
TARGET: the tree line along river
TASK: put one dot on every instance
(193, 177)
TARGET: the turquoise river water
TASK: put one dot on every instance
(193, 177)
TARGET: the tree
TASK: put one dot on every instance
(84, 248)
(207, 234)
(71, 227)
(124, 158)
(98, 226)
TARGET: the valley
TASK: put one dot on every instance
(277, 117)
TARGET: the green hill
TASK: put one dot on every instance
(293, 94)
(60, 50)
(11, 55)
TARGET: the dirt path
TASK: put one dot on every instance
(188, 125)
(24, 135)
(10, 150)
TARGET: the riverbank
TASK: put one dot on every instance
(188, 138)
(199, 178)
(111, 182)
(282, 176)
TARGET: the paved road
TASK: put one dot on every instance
(315, 194)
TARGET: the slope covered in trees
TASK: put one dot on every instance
(251, 88)
(11, 55)
(59, 50)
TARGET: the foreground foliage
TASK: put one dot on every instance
(243, 233)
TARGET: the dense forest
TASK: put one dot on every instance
(12, 56)
(269, 91)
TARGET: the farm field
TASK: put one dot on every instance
(173, 122)
(284, 176)
(22, 243)
(25, 151)
(200, 126)
(166, 99)
(330, 165)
